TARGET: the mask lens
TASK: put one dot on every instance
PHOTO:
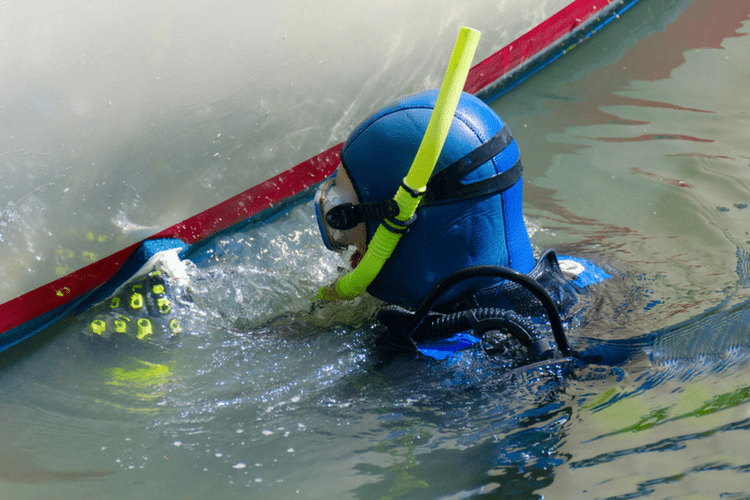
(328, 196)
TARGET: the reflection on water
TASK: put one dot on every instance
(265, 395)
(659, 146)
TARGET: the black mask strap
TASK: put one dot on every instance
(446, 185)
(347, 215)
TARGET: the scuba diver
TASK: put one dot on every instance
(464, 269)
(464, 272)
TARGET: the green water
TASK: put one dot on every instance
(634, 148)
(643, 158)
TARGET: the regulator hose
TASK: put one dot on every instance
(481, 318)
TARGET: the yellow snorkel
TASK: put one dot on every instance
(384, 241)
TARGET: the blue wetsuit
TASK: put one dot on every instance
(510, 309)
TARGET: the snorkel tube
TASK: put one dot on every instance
(413, 187)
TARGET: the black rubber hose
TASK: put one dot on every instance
(447, 324)
(495, 272)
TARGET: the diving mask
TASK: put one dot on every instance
(333, 192)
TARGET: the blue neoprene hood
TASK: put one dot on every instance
(447, 236)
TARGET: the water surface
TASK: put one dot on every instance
(635, 154)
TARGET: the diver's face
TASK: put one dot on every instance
(335, 191)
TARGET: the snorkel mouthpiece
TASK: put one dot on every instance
(412, 190)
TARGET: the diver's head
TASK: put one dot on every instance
(471, 214)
